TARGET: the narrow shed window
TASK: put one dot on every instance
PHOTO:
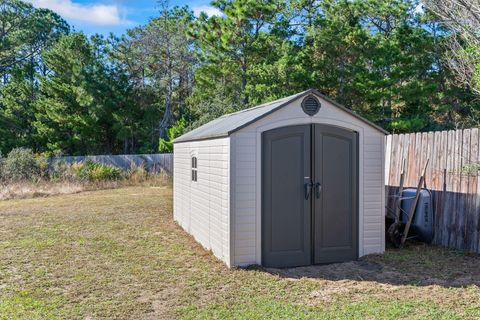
(194, 168)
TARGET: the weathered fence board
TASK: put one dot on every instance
(475, 191)
(154, 162)
(452, 177)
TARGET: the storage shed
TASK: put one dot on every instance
(293, 182)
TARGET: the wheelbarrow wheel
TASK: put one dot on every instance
(395, 233)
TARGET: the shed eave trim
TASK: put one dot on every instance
(218, 136)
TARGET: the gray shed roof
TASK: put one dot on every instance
(229, 123)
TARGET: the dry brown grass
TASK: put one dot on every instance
(26, 190)
(116, 254)
(23, 190)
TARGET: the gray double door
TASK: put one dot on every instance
(309, 195)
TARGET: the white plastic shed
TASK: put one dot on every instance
(292, 182)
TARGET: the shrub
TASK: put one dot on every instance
(91, 171)
(21, 165)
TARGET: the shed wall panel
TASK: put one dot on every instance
(202, 208)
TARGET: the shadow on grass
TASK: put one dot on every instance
(417, 265)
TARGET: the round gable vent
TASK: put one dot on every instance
(311, 105)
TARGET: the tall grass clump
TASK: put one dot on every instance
(61, 171)
(137, 173)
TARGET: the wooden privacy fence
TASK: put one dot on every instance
(452, 176)
(153, 162)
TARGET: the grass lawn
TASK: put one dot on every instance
(118, 254)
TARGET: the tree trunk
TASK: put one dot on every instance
(168, 97)
(244, 83)
(125, 145)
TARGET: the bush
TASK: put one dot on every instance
(21, 165)
(92, 172)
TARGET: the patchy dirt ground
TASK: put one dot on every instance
(116, 254)
(419, 265)
(420, 272)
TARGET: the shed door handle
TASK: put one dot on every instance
(308, 189)
(318, 189)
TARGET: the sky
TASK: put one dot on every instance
(105, 16)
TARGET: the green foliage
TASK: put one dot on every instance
(377, 58)
(471, 169)
(26, 31)
(475, 56)
(21, 165)
(232, 47)
(383, 59)
(92, 172)
(166, 146)
(64, 92)
(74, 113)
(158, 60)
(24, 304)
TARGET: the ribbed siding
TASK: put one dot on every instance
(202, 207)
(374, 193)
(244, 204)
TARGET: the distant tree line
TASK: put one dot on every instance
(390, 61)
